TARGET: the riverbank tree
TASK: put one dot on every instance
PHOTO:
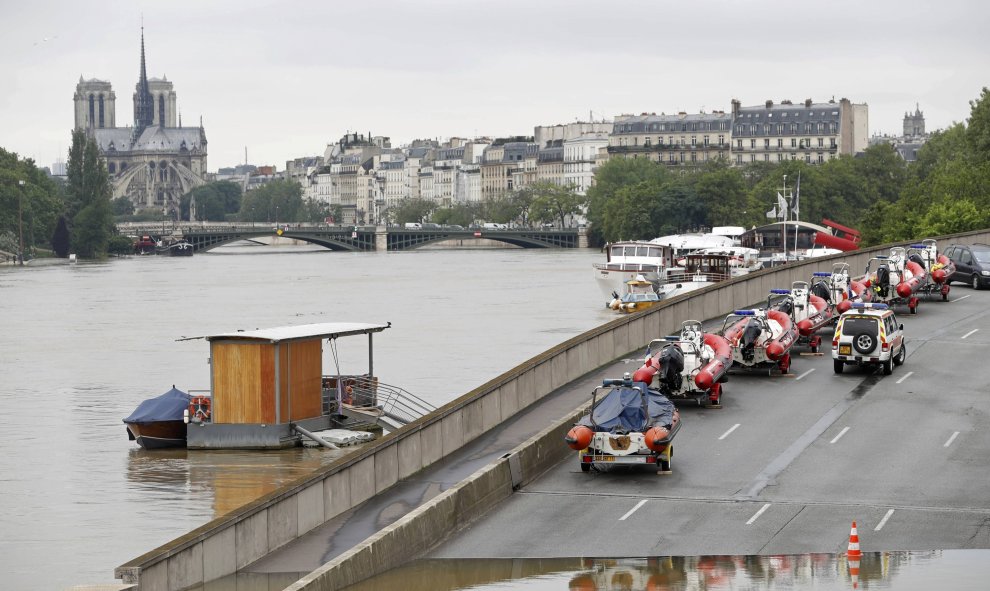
(30, 204)
(88, 194)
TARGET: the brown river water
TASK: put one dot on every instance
(81, 345)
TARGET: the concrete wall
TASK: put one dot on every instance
(232, 541)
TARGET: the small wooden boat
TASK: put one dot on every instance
(159, 422)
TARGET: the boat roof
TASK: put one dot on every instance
(693, 241)
(302, 331)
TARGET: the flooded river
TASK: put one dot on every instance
(82, 345)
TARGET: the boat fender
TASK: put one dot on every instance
(579, 437)
(656, 438)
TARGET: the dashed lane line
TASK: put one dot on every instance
(841, 433)
(633, 510)
(757, 514)
(805, 373)
(970, 332)
(906, 376)
(883, 521)
(951, 439)
(962, 298)
(731, 429)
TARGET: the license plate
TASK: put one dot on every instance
(633, 459)
(845, 349)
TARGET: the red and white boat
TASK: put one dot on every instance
(895, 279)
(690, 365)
(808, 311)
(939, 267)
(760, 338)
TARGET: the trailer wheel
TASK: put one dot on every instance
(586, 466)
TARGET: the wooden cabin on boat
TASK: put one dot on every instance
(267, 386)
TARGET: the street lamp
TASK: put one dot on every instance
(20, 222)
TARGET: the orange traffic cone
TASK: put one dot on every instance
(853, 553)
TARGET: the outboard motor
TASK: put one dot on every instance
(671, 360)
(917, 258)
(786, 306)
(821, 290)
(750, 335)
(883, 282)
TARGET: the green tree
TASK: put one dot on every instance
(978, 126)
(122, 206)
(30, 202)
(89, 190)
(60, 238)
(460, 214)
(413, 210)
(612, 177)
(215, 202)
(554, 203)
(278, 201)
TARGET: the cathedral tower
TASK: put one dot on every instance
(914, 124)
(95, 104)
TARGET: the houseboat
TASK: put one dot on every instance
(268, 389)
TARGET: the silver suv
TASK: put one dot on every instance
(868, 334)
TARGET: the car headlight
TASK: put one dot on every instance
(985, 273)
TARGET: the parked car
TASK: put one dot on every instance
(972, 264)
(868, 335)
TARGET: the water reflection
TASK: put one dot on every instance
(234, 478)
(947, 569)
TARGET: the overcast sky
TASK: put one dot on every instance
(283, 79)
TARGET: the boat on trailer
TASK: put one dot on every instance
(268, 390)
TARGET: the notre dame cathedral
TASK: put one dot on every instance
(157, 160)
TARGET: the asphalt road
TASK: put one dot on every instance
(789, 462)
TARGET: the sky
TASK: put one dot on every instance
(281, 80)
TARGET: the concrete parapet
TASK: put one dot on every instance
(428, 525)
(248, 533)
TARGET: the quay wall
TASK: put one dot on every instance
(235, 540)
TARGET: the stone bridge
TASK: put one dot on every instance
(359, 238)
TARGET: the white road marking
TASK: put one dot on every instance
(970, 332)
(962, 298)
(758, 513)
(633, 510)
(906, 376)
(841, 433)
(883, 521)
(731, 429)
(806, 373)
(951, 439)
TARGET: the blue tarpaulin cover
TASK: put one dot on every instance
(622, 409)
(167, 407)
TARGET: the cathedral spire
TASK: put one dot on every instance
(144, 106)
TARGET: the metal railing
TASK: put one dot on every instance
(385, 403)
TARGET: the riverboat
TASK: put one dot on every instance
(158, 422)
(625, 261)
(699, 270)
(268, 390)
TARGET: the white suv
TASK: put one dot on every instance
(868, 334)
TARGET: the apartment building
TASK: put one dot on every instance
(809, 131)
(581, 156)
(677, 140)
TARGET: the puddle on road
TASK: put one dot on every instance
(897, 571)
(907, 571)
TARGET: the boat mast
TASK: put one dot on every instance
(795, 205)
(787, 205)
